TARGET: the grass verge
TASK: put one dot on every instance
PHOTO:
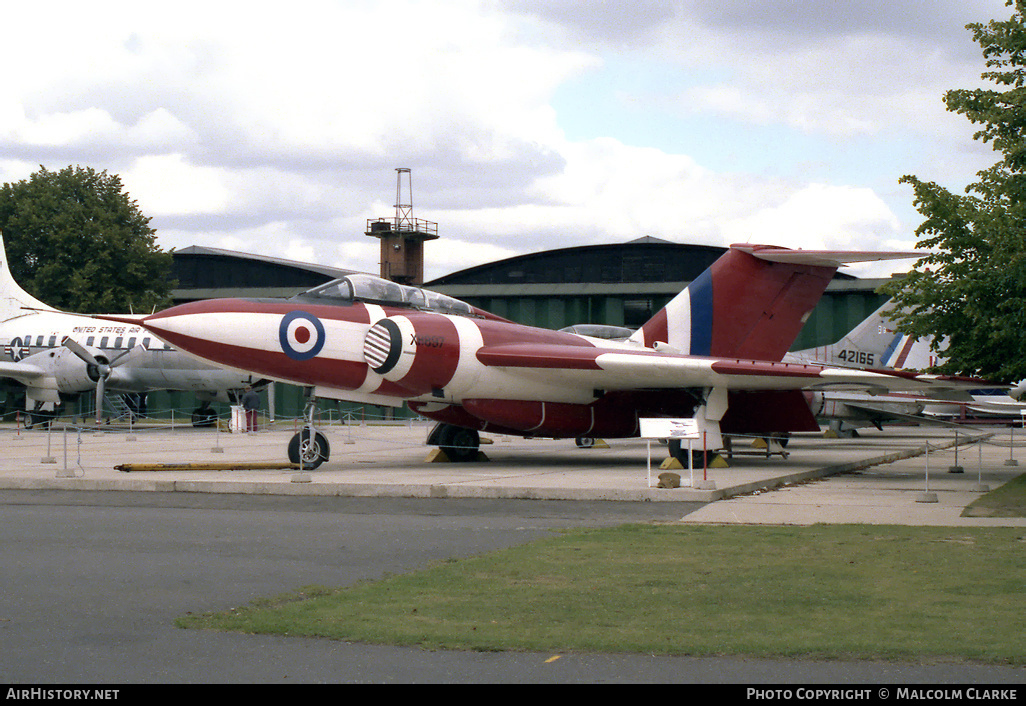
(826, 591)
(1008, 500)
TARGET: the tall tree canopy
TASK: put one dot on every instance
(76, 241)
(971, 293)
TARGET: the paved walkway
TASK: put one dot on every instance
(881, 477)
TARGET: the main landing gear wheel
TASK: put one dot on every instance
(309, 448)
(459, 444)
(205, 416)
(680, 452)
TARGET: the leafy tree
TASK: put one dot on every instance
(971, 293)
(76, 241)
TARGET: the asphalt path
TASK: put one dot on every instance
(93, 580)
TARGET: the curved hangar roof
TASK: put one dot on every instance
(638, 266)
(207, 273)
(643, 261)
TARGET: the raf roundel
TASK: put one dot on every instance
(301, 335)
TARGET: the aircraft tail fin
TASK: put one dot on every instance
(14, 301)
(751, 303)
(874, 343)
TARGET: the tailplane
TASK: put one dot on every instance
(751, 303)
(14, 301)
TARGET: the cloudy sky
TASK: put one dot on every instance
(276, 128)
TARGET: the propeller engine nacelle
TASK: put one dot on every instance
(420, 353)
(73, 375)
(1018, 392)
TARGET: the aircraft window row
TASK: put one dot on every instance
(104, 342)
(382, 291)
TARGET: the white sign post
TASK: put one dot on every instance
(659, 428)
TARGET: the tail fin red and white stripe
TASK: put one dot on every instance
(751, 303)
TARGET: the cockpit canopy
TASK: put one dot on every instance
(609, 333)
(368, 288)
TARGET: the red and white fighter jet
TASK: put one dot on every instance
(713, 353)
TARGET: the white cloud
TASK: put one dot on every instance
(820, 216)
(64, 128)
(95, 128)
(167, 184)
(278, 133)
(454, 254)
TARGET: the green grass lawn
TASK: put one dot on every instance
(825, 591)
(1008, 500)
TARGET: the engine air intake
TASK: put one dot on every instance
(382, 346)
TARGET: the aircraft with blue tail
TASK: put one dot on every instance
(877, 344)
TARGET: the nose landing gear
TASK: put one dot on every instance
(309, 448)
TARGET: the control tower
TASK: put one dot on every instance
(402, 236)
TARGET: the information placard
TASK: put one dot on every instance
(658, 428)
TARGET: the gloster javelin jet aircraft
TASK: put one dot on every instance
(713, 353)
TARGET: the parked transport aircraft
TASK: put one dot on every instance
(57, 355)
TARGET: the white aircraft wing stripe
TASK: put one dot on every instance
(622, 371)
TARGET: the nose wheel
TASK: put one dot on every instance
(309, 448)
